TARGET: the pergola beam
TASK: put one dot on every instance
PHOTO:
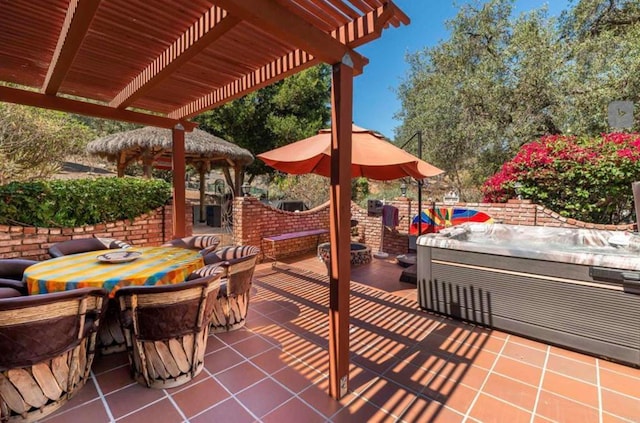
(211, 25)
(279, 21)
(361, 31)
(76, 24)
(35, 99)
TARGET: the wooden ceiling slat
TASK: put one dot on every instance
(370, 26)
(180, 52)
(270, 16)
(32, 98)
(139, 53)
(76, 24)
(344, 8)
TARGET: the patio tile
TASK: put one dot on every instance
(226, 411)
(316, 396)
(409, 376)
(200, 396)
(161, 412)
(296, 378)
(573, 355)
(518, 370)
(571, 388)
(131, 399)
(92, 411)
(272, 360)
(103, 363)
(572, 368)
(524, 354)
(491, 410)
(621, 405)
(240, 377)
(562, 409)
(511, 391)
(428, 410)
(360, 410)
(619, 382)
(293, 411)
(115, 379)
(252, 346)
(221, 360)
(389, 396)
(264, 397)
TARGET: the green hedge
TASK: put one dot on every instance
(72, 203)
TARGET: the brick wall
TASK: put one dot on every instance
(147, 230)
(254, 221)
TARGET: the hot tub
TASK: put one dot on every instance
(576, 288)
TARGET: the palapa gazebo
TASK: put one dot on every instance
(153, 147)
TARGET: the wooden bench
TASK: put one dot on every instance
(273, 239)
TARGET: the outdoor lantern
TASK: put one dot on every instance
(517, 187)
(246, 187)
(403, 189)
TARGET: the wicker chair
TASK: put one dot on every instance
(11, 272)
(203, 243)
(47, 349)
(166, 328)
(84, 245)
(238, 264)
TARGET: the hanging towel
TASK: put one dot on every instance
(389, 216)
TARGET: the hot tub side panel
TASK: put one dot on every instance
(557, 303)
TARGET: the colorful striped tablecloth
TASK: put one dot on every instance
(156, 266)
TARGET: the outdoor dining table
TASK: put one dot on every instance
(154, 266)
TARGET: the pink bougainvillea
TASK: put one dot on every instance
(581, 177)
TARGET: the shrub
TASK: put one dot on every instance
(70, 203)
(583, 178)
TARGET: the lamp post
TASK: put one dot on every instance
(420, 181)
(245, 188)
(517, 187)
(403, 189)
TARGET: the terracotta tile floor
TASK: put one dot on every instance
(406, 365)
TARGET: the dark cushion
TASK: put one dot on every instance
(15, 284)
(14, 268)
(75, 246)
(9, 292)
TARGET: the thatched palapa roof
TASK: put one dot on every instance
(155, 143)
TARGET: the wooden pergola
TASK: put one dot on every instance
(161, 62)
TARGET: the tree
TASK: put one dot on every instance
(34, 141)
(499, 82)
(585, 178)
(279, 114)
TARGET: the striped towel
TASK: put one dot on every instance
(389, 216)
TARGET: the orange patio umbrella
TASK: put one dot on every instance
(373, 157)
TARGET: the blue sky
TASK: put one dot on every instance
(375, 101)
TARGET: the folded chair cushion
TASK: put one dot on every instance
(203, 243)
(230, 254)
(11, 273)
(9, 292)
(75, 246)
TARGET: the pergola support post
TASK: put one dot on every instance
(179, 187)
(339, 222)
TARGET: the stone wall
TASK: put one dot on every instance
(32, 243)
